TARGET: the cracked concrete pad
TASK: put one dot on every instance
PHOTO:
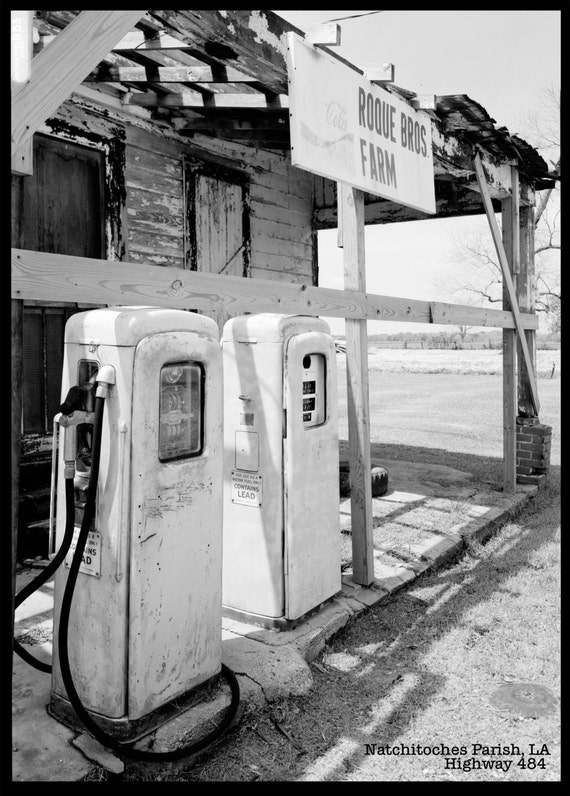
(279, 671)
(98, 754)
(42, 750)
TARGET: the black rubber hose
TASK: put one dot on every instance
(107, 740)
(47, 573)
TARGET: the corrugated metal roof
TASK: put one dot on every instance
(462, 116)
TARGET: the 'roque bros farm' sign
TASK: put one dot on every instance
(346, 128)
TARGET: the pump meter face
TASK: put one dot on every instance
(181, 411)
(314, 403)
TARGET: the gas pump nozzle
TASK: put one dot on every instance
(70, 439)
(72, 415)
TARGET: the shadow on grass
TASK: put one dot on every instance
(383, 686)
(399, 677)
(376, 696)
(484, 468)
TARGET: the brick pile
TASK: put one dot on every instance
(533, 450)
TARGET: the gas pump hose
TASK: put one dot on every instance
(47, 573)
(126, 749)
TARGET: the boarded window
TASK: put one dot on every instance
(218, 222)
(58, 209)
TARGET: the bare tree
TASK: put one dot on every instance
(477, 277)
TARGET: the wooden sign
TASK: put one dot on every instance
(347, 129)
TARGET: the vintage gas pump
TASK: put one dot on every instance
(281, 499)
(144, 626)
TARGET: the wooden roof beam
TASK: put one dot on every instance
(226, 101)
(110, 73)
(58, 69)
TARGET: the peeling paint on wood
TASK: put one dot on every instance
(259, 25)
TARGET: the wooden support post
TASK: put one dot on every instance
(21, 52)
(524, 284)
(17, 326)
(507, 278)
(510, 224)
(352, 203)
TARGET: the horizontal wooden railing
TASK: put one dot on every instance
(58, 277)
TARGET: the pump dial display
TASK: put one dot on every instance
(181, 411)
(314, 384)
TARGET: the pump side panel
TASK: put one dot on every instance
(253, 579)
(312, 531)
(97, 639)
(176, 535)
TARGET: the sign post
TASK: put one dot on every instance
(350, 130)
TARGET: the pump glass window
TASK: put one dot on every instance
(181, 415)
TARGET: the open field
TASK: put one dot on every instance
(482, 361)
(458, 410)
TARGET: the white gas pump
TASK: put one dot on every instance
(281, 488)
(145, 622)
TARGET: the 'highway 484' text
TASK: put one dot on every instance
(471, 758)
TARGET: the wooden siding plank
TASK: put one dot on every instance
(166, 205)
(58, 69)
(154, 181)
(256, 162)
(162, 260)
(281, 262)
(153, 160)
(271, 195)
(287, 247)
(261, 212)
(148, 221)
(281, 230)
(154, 243)
(49, 277)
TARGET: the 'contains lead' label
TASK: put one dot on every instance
(246, 488)
(91, 563)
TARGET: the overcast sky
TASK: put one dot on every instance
(504, 60)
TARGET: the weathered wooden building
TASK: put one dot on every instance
(161, 138)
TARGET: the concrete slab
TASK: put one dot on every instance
(428, 516)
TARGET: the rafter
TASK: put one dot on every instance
(186, 99)
(108, 73)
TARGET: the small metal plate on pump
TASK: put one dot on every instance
(91, 564)
(246, 488)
